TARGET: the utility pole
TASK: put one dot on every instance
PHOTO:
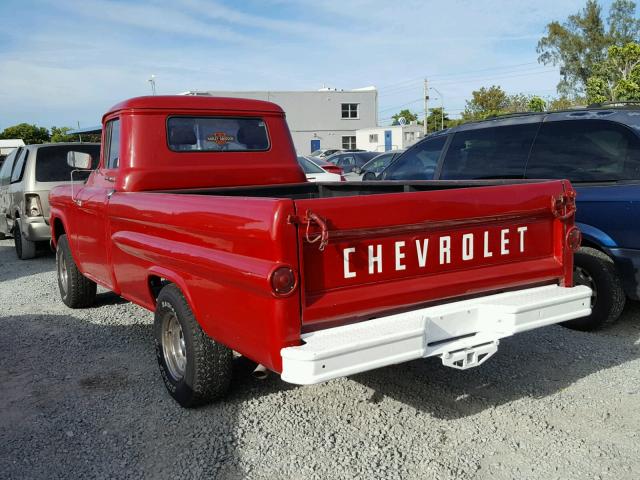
(441, 107)
(426, 106)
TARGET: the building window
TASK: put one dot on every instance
(350, 110)
(349, 143)
(373, 138)
(409, 136)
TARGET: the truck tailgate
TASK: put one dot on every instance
(388, 252)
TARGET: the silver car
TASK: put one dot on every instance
(26, 177)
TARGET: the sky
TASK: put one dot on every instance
(65, 62)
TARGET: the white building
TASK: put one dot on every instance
(7, 146)
(327, 118)
(381, 139)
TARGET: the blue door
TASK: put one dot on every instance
(387, 140)
(315, 145)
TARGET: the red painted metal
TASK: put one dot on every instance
(223, 252)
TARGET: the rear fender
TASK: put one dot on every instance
(595, 236)
(176, 279)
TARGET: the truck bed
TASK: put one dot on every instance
(389, 247)
(311, 190)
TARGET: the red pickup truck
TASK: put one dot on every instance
(199, 212)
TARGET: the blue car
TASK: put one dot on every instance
(597, 148)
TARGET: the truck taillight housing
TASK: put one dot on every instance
(283, 281)
(574, 238)
(32, 205)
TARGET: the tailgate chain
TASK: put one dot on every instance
(308, 219)
(323, 236)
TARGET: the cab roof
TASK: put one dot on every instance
(194, 102)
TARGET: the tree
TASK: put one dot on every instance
(536, 104)
(581, 42)
(437, 119)
(617, 78)
(28, 133)
(517, 103)
(60, 134)
(408, 115)
(565, 103)
(485, 102)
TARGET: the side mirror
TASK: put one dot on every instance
(79, 160)
(357, 170)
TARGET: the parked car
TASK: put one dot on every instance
(371, 169)
(326, 166)
(348, 161)
(215, 229)
(26, 177)
(316, 174)
(324, 152)
(598, 149)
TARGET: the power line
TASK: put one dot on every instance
(392, 86)
(413, 83)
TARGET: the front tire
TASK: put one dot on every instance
(597, 271)
(76, 290)
(25, 249)
(195, 368)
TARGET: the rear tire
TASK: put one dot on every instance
(76, 290)
(25, 249)
(195, 368)
(597, 271)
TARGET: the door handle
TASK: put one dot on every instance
(109, 179)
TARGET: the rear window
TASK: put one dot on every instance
(308, 166)
(496, 152)
(585, 151)
(51, 162)
(217, 134)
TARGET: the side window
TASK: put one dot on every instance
(7, 167)
(417, 163)
(585, 151)
(112, 144)
(495, 152)
(18, 169)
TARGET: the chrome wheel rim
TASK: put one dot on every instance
(173, 346)
(63, 274)
(582, 277)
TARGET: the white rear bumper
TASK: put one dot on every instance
(463, 333)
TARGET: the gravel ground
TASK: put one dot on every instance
(81, 397)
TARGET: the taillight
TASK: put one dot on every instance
(283, 281)
(574, 238)
(32, 205)
(342, 179)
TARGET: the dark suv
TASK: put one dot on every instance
(598, 149)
